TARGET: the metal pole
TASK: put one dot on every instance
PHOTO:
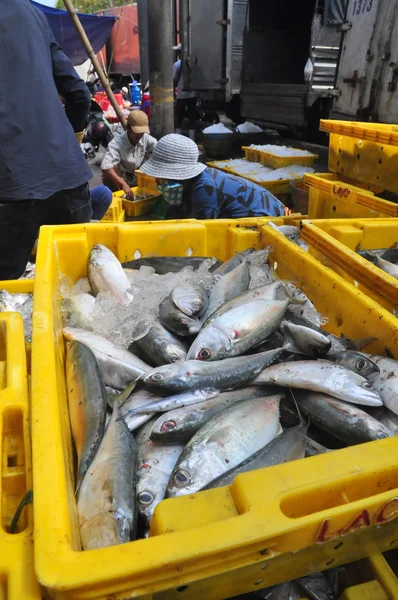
(97, 67)
(142, 6)
(161, 67)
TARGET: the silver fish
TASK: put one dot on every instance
(288, 445)
(387, 267)
(233, 262)
(304, 340)
(139, 397)
(237, 330)
(155, 464)
(171, 264)
(387, 418)
(105, 274)
(321, 376)
(344, 421)
(86, 402)
(175, 320)
(177, 401)
(289, 231)
(161, 346)
(316, 587)
(229, 286)
(180, 424)
(359, 363)
(118, 367)
(386, 383)
(190, 298)
(106, 502)
(220, 374)
(313, 448)
(224, 443)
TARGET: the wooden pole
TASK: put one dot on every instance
(97, 67)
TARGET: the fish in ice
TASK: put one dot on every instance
(321, 376)
(175, 320)
(118, 367)
(224, 442)
(86, 403)
(229, 286)
(161, 347)
(171, 264)
(190, 298)
(106, 503)
(180, 424)
(105, 274)
(79, 310)
(220, 374)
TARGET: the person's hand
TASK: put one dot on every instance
(128, 192)
(287, 211)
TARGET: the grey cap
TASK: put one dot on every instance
(174, 157)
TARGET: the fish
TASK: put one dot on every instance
(359, 363)
(176, 321)
(105, 274)
(106, 503)
(180, 424)
(138, 398)
(237, 330)
(304, 340)
(386, 417)
(321, 376)
(289, 231)
(190, 298)
(171, 264)
(316, 587)
(313, 448)
(86, 403)
(223, 443)
(386, 382)
(229, 286)
(155, 465)
(344, 421)
(233, 262)
(288, 445)
(118, 367)
(177, 401)
(161, 347)
(220, 374)
(80, 310)
(387, 267)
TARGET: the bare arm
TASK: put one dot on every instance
(119, 182)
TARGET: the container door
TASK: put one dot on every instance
(203, 31)
(355, 56)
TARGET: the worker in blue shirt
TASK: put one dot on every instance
(208, 193)
(43, 173)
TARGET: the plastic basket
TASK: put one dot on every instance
(136, 208)
(300, 196)
(145, 182)
(332, 198)
(282, 186)
(115, 212)
(218, 145)
(277, 162)
(334, 242)
(17, 578)
(364, 151)
(226, 541)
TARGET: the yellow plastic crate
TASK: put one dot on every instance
(331, 198)
(278, 162)
(136, 208)
(334, 242)
(275, 187)
(146, 182)
(377, 580)
(327, 510)
(115, 212)
(364, 151)
(17, 578)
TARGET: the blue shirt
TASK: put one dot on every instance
(39, 154)
(216, 194)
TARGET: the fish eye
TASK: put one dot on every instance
(145, 498)
(361, 364)
(181, 478)
(367, 385)
(204, 354)
(167, 425)
(175, 358)
(157, 377)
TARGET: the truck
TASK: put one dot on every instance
(256, 62)
(367, 75)
(121, 56)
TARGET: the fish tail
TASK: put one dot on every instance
(291, 299)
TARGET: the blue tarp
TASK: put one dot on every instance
(98, 30)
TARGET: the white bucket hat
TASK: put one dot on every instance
(174, 157)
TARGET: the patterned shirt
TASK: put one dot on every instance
(218, 195)
(126, 157)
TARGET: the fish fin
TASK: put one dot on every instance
(123, 396)
(299, 413)
(291, 299)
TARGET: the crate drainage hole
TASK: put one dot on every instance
(12, 460)
(182, 588)
(189, 252)
(137, 255)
